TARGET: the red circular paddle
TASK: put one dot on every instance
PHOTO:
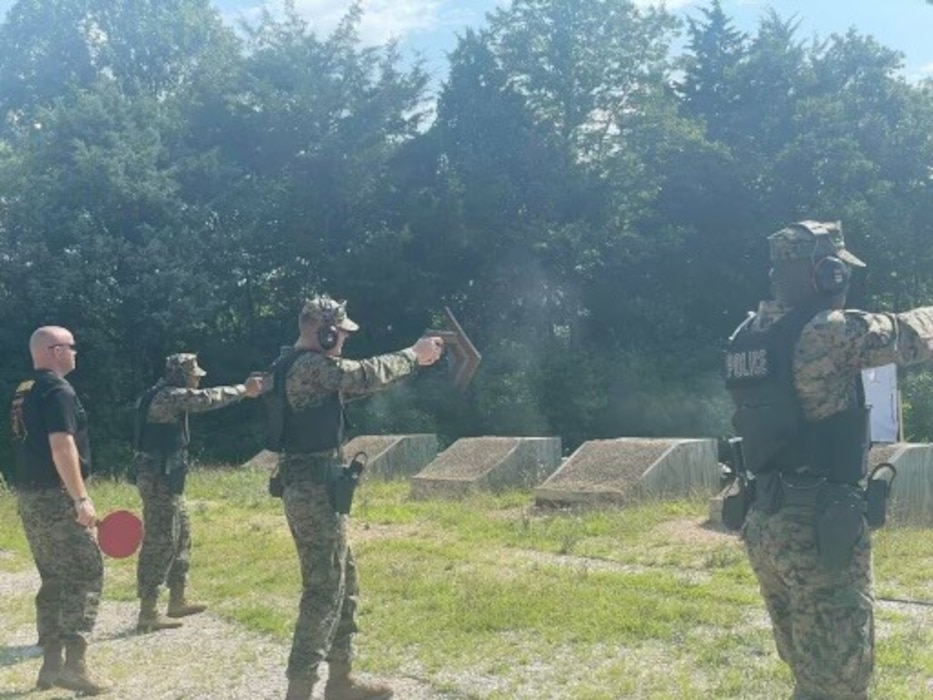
(119, 534)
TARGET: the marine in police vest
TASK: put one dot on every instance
(308, 386)
(793, 369)
(161, 464)
(53, 459)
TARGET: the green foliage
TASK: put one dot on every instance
(590, 201)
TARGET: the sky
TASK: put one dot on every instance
(430, 27)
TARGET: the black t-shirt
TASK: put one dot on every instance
(51, 406)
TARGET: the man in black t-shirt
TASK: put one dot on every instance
(53, 458)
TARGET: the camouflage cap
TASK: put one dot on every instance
(809, 240)
(323, 308)
(183, 364)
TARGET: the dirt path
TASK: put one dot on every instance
(207, 659)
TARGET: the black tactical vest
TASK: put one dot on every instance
(317, 428)
(158, 438)
(776, 436)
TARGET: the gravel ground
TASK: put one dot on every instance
(212, 659)
(206, 659)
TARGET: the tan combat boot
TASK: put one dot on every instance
(150, 620)
(342, 686)
(178, 606)
(300, 688)
(74, 674)
(52, 661)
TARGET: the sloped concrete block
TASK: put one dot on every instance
(394, 456)
(390, 456)
(488, 464)
(911, 501)
(624, 470)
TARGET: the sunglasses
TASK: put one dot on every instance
(70, 346)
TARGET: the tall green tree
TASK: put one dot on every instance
(152, 47)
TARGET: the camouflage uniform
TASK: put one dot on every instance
(327, 612)
(69, 562)
(70, 566)
(823, 619)
(166, 548)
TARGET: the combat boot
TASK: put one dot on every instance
(342, 686)
(74, 674)
(150, 620)
(52, 661)
(300, 688)
(178, 606)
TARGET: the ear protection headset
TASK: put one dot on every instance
(830, 276)
(327, 333)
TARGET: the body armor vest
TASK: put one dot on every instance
(158, 438)
(776, 435)
(317, 428)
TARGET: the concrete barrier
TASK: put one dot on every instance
(624, 470)
(911, 501)
(390, 456)
(487, 464)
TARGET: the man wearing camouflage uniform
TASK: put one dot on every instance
(53, 458)
(794, 371)
(309, 383)
(161, 465)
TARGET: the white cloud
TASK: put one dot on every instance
(669, 4)
(926, 69)
(382, 19)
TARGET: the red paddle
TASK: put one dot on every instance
(119, 534)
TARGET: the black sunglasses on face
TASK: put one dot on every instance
(70, 346)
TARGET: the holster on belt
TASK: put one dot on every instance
(877, 493)
(839, 523)
(341, 487)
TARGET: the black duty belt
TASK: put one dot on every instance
(800, 491)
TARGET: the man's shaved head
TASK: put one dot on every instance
(52, 348)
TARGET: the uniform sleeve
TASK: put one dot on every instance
(359, 378)
(168, 405)
(315, 375)
(836, 345)
(855, 340)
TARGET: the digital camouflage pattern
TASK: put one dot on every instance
(823, 621)
(70, 566)
(166, 547)
(312, 376)
(324, 309)
(837, 344)
(327, 611)
(172, 402)
(165, 555)
(811, 240)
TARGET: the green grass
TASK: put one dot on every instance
(639, 602)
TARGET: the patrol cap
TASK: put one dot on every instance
(323, 308)
(810, 240)
(183, 363)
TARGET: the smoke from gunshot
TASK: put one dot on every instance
(539, 377)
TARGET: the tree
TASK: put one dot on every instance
(154, 47)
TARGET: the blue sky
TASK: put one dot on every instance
(430, 27)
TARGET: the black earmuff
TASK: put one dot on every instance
(327, 334)
(830, 276)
